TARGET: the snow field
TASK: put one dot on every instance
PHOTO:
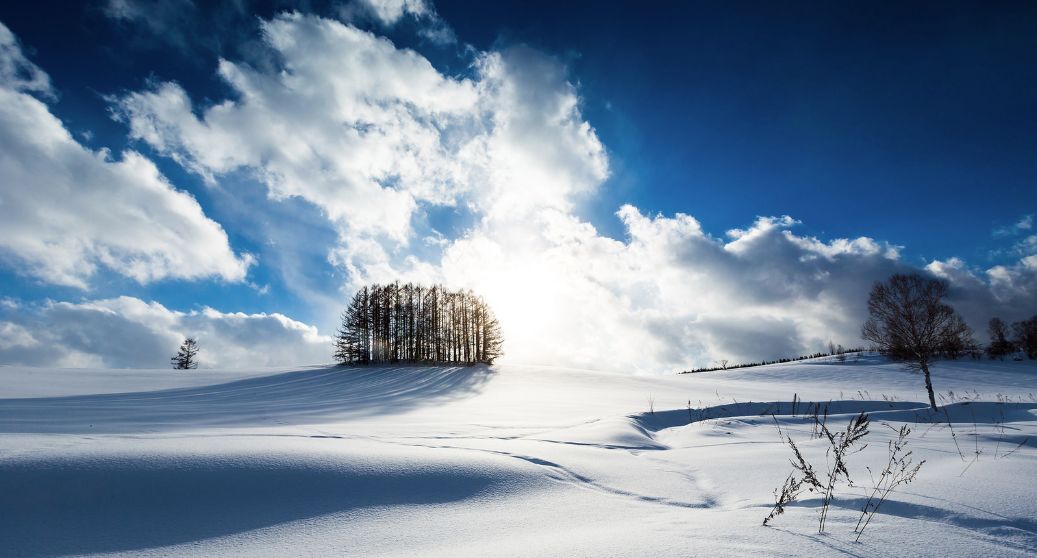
(503, 461)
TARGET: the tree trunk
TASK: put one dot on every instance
(929, 385)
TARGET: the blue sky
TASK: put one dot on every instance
(894, 136)
(848, 116)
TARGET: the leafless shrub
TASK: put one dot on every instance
(785, 496)
(900, 469)
(841, 445)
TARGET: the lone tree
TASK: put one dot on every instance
(185, 357)
(909, 321)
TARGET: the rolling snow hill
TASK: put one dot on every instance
(503, 461)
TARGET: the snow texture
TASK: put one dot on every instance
(503, 461)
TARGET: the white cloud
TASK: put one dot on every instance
(1025, 223)
(127, 332)
(353, 125)
(1006, 291)
(669, 296)
(66, 210)
(14, 336)
(374, 135)
(16, 71)
(369, 133)
(391, 11)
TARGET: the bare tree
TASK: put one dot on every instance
(909, 321)
(185, 357)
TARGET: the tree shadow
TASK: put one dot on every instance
(967, 412)
(298, 397)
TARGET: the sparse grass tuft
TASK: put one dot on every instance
(841, 445)
(899, 470)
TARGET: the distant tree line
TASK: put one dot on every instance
(414, 323)
(839, 352)
(1021, 338)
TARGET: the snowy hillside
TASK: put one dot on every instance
(503, 461)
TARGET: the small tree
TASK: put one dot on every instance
(1026, 336)
(909, 321)
(840, 353)
(185, 357)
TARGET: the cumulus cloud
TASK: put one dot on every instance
(669, 295)
(374, 135)
(127, 332)
(369, 133)
(1007, 291)
(353, 125)
(66, 210)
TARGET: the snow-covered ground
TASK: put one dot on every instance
(502, 461)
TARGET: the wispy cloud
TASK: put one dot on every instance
(1024, 224)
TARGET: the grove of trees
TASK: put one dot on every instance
(415, 323)
(1023, 337)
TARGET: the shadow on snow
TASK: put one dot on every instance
(54, 508)
(967, 412)
(298, 397)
